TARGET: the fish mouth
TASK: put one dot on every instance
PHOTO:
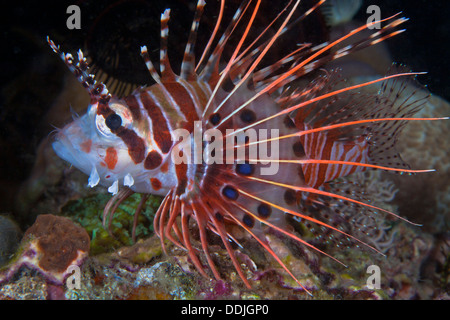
(66, 150)
(62, 146)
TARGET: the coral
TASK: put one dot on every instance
(141, 271)
(425, 198)
(376, 227)
(169, 278)
(51, 245)
(26, 287)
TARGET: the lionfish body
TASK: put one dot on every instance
(235, 143)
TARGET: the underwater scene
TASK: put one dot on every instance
(225, 150)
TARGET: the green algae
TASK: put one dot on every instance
(88, 213)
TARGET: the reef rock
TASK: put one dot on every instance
(51, 246)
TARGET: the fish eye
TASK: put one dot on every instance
(113, 121)
(120, 116)
(103, 127)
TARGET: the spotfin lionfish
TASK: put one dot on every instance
(225, 110)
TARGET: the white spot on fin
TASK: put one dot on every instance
(128, 180)
(114, 187)
(94, 178)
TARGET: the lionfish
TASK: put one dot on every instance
(236, 142)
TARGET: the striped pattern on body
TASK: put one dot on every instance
(167, 107)
(319, 146)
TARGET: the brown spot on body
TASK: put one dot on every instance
(86, 146)
(156, 184)
(165, 167)
(111, 158)
(153, 160)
